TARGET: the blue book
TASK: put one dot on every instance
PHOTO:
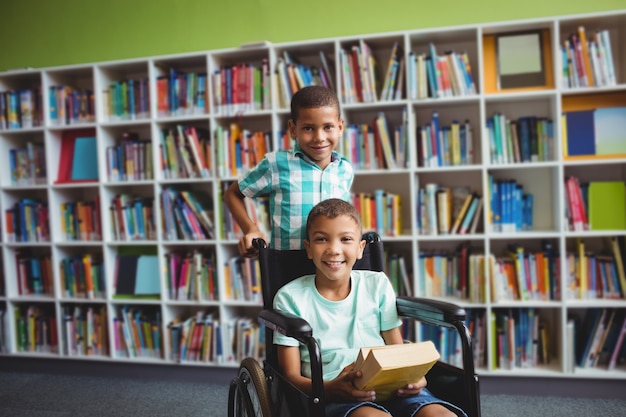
(147, 275)
(580, 133)
(435, 133)
(524, 138)
(85, 159)
(610, 138)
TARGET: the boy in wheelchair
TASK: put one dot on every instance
(347, 310)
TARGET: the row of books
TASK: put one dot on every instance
(593, 133)
(241, 88)
(137, 333)
(510, 209)
(593, 275)
(239, 150)
(448, 210)
(127, 100)
(21, 109)
(191, 276)
(476, 323)
(82, 277)
(185, 152)
(80, 220)
(398, 274)
(35, 329)
(376, 146)
(27, 221)
(28, 165)
(359, 77)
(439, 146)
(186, 215)
(436, 76)
(71, 106)
(460, 274)
(242, 279)
(205, 338)
(595, 205)
(522, 339)
(84, 330)
(446, 341)
(130, 159)
(132, 218)
(597, 341)
(525, 275)
(292, 75)
(587, 59)
(381, 211)
(34, 274)
(181, 93)
(527, 139)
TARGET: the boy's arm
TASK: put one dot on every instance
(234, 201)
(392, 336)
(339, 389)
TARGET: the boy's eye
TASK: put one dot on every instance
(347, 239)
(307, 128)
(328, 127)
(320, 239)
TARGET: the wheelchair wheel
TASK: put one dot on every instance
(249, 394)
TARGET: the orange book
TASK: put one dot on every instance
(585, 53)
(88, 276)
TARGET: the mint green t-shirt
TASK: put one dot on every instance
(341, 328)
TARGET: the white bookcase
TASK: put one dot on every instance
(545, 180)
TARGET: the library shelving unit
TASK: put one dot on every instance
(118, 100)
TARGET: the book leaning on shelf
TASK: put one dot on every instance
(387, 368)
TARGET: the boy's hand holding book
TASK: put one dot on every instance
(385, 369)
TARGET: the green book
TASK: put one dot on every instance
(607, 205)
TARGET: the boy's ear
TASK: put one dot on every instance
(361, 249)
(291, 126)
(307, 248)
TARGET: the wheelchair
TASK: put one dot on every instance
(263, 392)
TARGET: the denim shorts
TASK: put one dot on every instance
(397, 407)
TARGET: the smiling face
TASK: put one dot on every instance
(334, 245)
(318, 131)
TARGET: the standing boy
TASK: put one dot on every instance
(296, 179)
(347, 310)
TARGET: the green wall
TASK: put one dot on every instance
(41, 33)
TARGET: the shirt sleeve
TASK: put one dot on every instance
(258, 181)
(282, 302)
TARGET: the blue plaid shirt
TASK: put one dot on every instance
(295, 184)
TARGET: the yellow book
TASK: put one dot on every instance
(387, 368)
(583, 286)
(586, 60)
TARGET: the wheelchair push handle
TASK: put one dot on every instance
(259, 243)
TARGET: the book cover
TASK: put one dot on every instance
(580, 133)
(610, 137)
(387, 368)
(607, 205)
(84, 159)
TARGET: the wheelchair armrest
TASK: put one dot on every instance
(287, 324)
(440, 313)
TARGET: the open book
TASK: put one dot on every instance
(387, 368)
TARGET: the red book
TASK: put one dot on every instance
(66, 157)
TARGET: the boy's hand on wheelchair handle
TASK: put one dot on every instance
(246, 248)
(412, 389)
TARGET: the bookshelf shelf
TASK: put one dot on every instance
(131, 106)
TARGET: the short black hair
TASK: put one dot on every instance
(332, 208)
(312, 97)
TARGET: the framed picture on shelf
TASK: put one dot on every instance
(520, 59)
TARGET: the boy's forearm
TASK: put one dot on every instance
(234, 201)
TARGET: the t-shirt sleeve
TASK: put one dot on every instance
(282, 302)
(388, 311)
(258, 181)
